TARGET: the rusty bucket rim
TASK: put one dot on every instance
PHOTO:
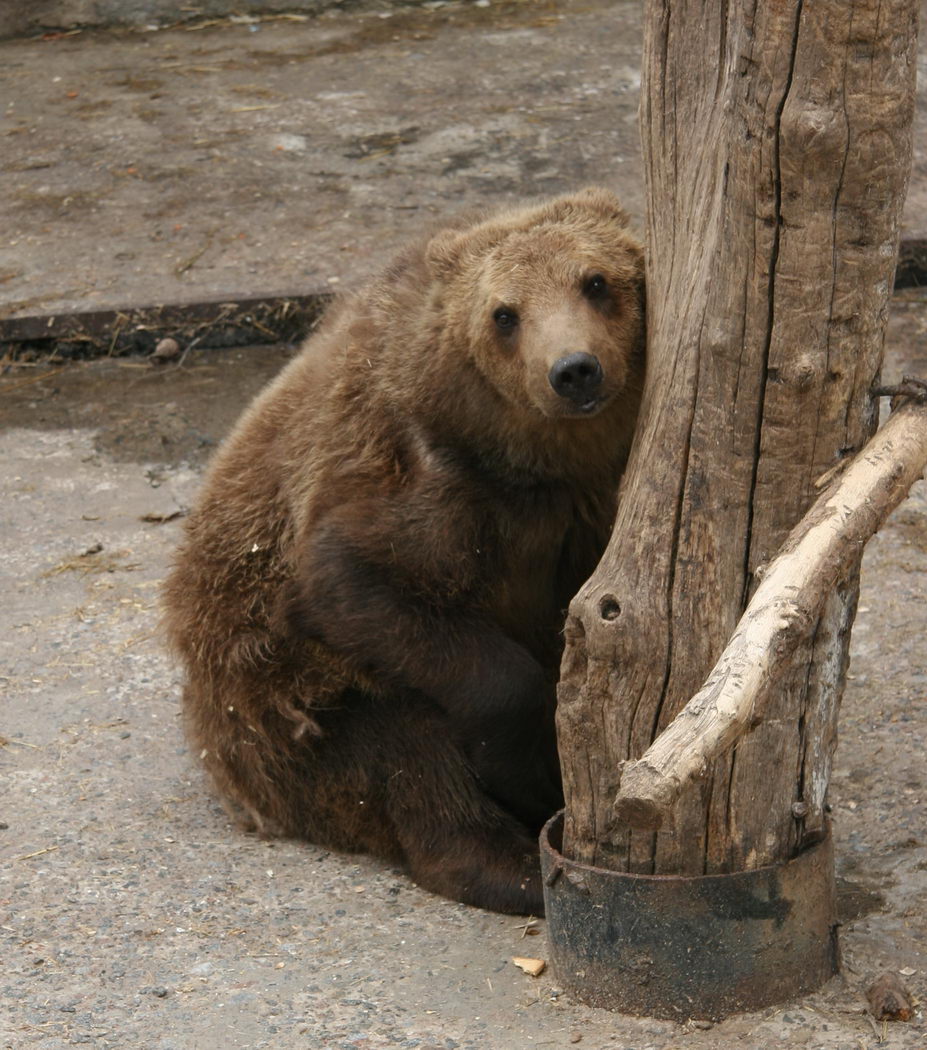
(560, 860)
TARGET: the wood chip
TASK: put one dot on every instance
(532, 967)
(155, 518)
(889, 999)
(38, 853)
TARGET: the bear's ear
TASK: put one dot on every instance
(444, 252)
(450, 251)
(594, 200)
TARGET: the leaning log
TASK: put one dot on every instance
(782, 613)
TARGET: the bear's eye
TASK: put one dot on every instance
(595, 287)
(506, 319)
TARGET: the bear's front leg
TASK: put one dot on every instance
(502, 715)
(494, 694)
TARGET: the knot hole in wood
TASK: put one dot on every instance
(609, 607)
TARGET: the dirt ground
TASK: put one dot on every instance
(267, 157)
(281, 156)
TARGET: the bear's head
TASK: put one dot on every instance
(549, 301)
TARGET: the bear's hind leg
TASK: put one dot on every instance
(493, 867)
(400, 787)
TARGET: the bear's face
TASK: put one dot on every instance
(552, 307)
(554, 316)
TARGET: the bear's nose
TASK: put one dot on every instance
(576, 377)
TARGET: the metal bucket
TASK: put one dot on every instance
(682, 947)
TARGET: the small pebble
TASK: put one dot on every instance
(166, 350)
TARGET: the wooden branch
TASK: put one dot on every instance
(783, 610)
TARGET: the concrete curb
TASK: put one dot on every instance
(58, 16)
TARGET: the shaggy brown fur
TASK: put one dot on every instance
(369, 597)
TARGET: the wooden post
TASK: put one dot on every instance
(777, 146)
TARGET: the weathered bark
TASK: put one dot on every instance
(777, 147)
(783, 609)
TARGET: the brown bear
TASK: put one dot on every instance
(370, 595)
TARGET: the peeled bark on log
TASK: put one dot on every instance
(781, 612)
(777, 145)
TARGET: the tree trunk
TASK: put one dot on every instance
(777, 145)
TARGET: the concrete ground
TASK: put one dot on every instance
(131, 913)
